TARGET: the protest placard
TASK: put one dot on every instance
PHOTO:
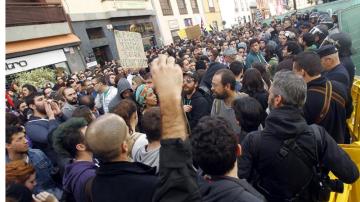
(130, 49)
(193, 32)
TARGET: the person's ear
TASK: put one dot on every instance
(238, 150)
(278, 101)
(124, 148)
(80, 147)
(32, 106)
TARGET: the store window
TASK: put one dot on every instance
(166, 7)
(95, 33)
(182, 6)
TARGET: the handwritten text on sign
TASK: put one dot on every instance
(130, 49)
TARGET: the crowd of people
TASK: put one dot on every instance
(252, 113)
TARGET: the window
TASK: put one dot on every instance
(95, 33)
(194, 6)
(166, 7)
(182, 6)
(188, 22)
(211, 6)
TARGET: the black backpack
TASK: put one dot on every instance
(292, 157)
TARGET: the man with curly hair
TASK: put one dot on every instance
(215, 151)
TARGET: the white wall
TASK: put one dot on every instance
(98, 6)
(176, 18)
(228, 13)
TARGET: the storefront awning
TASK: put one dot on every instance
(40, 43)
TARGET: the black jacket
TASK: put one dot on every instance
(340, 74)
(335, 120)
(124, 181)
(349, 66)
(200, 108)
(224, 189)
(177, 175)
(256, 163)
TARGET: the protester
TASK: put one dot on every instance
(290, 175)
(253, 85)
(223, 88)
(151, 126)
(105, 93)
(71, 103)
(69, 142)
(184, 95)
(237, 69)
(215, 150)
(254, 54)
(18, 149)
(127, 110)
(194, 103)
(333, 118)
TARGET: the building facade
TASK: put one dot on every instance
(173, 15)
(38, 35)
(235, 12)
(212, 14)
(94, 22)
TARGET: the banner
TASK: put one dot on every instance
(193, 32)
(130, 49)
(182, 33)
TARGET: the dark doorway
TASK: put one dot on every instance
(101, 54)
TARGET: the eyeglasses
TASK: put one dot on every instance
(188, 80)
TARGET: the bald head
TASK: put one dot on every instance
(106, 136)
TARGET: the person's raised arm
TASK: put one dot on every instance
(177, 176)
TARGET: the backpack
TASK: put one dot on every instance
(292, 157)
(206, 93)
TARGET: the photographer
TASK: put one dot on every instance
(280, 160)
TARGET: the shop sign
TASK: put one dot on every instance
(28, 62)
(173, 24)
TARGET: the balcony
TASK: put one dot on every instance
(19, 14)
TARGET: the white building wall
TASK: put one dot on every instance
(175, 22)
(233, 11)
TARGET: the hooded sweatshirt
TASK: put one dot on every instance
(122, 86)
(150, 158)
(75, 178)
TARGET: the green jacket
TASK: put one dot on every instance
(311, 48)
(254, 57)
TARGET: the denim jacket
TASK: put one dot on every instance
(43, 168)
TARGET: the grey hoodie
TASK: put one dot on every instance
(122, 85)
(150, 158)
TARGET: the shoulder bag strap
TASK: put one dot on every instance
(88, 189)
(327, 100)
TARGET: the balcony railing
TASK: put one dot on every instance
(18, 14)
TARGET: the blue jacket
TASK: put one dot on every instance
(254, 57)
(38, 131)
(43, 169)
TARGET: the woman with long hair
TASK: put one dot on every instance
(253, 85)
(127, 110)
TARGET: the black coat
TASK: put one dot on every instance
(124, 181)
(335, 120)
(256, 163)
(349, 66)
(224, 189)
(200, 108)
(340, 74)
